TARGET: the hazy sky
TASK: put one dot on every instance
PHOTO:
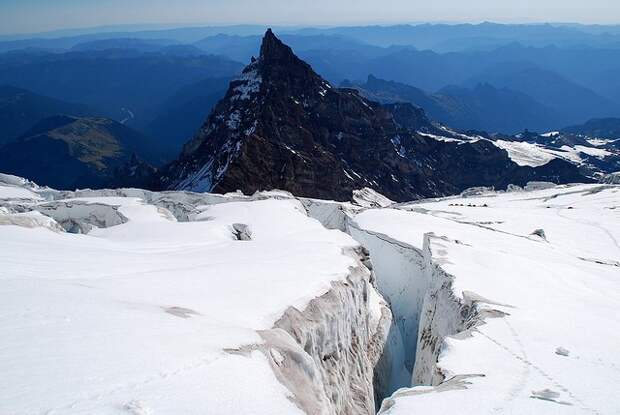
(26, 16)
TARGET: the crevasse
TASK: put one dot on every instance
(421, 300)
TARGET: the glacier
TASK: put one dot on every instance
(125, 301)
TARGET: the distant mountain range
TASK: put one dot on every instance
(570, 100)
(439, 37)
(21, 109)
(607, 128)
(593, 93)
(180, 116)
(123, 84)
(483, 36)
(552, 75)
(75, 152)
(482, 107)
(160, 86)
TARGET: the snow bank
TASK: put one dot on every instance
(149, 314)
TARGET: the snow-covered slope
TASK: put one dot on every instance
(594, 156)
(134, 302)
(533, 154)
(150, 315)
(521, 315)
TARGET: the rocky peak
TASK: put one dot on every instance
(279, 67)
(282, 126)
(411, 117)
(273, 51)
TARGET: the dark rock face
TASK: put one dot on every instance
(411, 117)
(71, 152)
(282, 126)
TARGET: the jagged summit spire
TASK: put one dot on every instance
(278, 64)
(273, 50)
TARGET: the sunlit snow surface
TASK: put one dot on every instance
(135, 318)
(534, 155)
(557, 349)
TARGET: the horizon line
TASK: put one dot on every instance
(159, 26)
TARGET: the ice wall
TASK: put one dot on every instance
(402, 280)
(424, 306)
(327, 353)
(442, 315)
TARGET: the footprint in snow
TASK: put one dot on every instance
(548, 395)
(181, 312)
(137, 408)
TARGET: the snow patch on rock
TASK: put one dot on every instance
(249, 84)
